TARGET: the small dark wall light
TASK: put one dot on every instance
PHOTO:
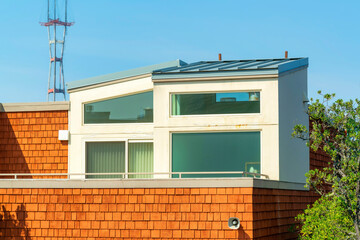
(234, 223)
(305, 98)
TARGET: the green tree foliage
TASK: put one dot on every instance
(326, 219)
(336, 131)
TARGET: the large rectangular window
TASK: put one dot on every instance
(110, 157)
(215, 103)
(105, 157)
(136, 108)
(215, 152)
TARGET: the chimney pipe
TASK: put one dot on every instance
(286, 54)
(219, 56)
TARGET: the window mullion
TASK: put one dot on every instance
(126, 157)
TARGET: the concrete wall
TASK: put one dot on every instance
(266, 121)
(293, 153)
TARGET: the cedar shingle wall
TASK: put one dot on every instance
(319, 160)
(29, 142)
(181, 213)
(275, 211)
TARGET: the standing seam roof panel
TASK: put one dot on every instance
(212, 66)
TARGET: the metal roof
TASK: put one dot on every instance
(230, 68)
(124, 74)
(180, 69)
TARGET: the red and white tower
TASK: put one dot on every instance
(56, 33)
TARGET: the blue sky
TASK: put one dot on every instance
(112, 35)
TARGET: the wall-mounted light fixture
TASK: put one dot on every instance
(305, 98)
(63, 135)
(234, 223)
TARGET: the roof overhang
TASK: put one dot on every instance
(255, 73)
(35, 106)
(220, 75)
(120, 76)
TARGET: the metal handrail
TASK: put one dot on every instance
(125, 175)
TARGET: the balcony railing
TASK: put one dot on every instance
(130, 176)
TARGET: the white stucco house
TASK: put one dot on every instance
(207, 116)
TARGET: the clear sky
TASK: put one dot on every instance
(113, 35)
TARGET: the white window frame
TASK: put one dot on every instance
(260, 130)
(212, 115)
(109, 98)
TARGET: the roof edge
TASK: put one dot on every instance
(257, 72)
(123, 74)
(35, 106)
(301, 62)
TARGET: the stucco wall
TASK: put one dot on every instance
(160, 130)
(266, 122)
(293, 153)
(281, 107)
(81, 133)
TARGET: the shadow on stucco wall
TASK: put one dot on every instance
(14, 226)
(12, 159)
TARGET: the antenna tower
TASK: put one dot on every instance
(56, 33)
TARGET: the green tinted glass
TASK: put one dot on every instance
(135, 108)
(105, 157)
(141, 159)
(215, 103)
(211, 152)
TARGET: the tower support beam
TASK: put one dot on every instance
(56, 81)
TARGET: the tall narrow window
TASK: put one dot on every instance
(141, 159)
(105, 157)
(215, 103)
(136, 108)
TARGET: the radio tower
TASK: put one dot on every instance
(56, 33)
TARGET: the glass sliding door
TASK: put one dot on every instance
(105, 157)
(141, 159)
(110, 157)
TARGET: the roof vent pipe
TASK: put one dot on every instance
(219, 56)
(286, 54)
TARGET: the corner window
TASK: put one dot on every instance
(215, 103)
(110, 157)
(215, 152)
(136, 108)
